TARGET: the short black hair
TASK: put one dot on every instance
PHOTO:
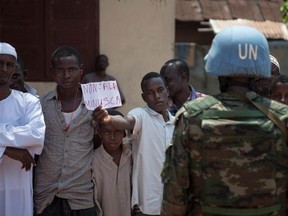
(151, 75)
(279, 78)
(179, 65)
(64, 51)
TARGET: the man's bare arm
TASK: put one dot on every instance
(21, 155)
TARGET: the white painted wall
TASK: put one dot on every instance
(138, 37)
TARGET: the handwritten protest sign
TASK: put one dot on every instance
(105, 94)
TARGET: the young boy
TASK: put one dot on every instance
(278, 89)
(112, 171)
(152, 130)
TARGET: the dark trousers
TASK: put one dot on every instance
(60, 207)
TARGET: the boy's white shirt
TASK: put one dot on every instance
(150, 138)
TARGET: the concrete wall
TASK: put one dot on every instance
(42, 87)
(138, 37)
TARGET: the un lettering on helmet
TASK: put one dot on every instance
(239, 51)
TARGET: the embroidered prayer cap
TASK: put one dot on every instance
(239, 51)
(274, 61)
(6, 48)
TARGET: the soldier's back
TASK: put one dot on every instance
(238, 155)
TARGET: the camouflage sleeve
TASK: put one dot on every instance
(175, 175)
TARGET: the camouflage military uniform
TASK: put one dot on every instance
(243, 173)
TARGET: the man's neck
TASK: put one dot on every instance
(101, 73)
(238, 89)
(165, 115)
(181, 98)
(5, 91)
(239, 85)
(67, 94)
(23, 89)
(69, 98)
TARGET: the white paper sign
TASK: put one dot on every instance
(105, 94)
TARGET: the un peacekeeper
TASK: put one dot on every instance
(228, 154)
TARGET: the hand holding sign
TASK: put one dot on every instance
(105, 94)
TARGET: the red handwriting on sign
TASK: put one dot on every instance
(89, 88)
(110, 86)
(105, 102)
(94, 87)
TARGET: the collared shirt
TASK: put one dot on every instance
(151, 137)
(194, 94)
(21, 126)
(30, 89)
(64, 167)
(112, 182)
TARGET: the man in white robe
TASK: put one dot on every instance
(22, 130)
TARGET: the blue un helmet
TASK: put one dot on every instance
(239, 51)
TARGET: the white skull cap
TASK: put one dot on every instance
(274, 61)
(6, 48)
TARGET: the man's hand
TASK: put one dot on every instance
(100, 115)
(21, 155)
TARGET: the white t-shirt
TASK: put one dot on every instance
(21, 126)
(150, 139)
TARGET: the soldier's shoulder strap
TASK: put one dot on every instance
(265, 110)
(197, 106)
